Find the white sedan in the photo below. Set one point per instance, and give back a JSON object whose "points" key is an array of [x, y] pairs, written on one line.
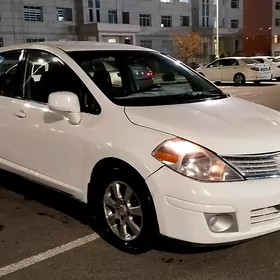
{"points": [[236, 69], [274, 64], [177, 156]]}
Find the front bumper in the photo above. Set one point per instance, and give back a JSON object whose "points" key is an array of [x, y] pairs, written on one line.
{"points": [[182, 205]]}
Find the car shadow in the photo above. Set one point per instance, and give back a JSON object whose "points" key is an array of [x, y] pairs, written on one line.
{"points": [[77, 210]]}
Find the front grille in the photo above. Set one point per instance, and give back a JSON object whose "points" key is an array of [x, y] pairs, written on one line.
{"points": [[256, 166], [265, 215]]}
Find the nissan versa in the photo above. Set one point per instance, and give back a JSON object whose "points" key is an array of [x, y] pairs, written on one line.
{"points": [[151, 145]]}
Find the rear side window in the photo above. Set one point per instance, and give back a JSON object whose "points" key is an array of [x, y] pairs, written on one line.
{"points": [[249, 60], [259, 60], [10, 78]]}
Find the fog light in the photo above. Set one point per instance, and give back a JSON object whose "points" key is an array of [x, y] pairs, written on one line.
{"points": [[221, 222]]}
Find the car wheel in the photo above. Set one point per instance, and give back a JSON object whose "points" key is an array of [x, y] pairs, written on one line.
{"points": [[239, 79], [257, 82], [124, 211]]}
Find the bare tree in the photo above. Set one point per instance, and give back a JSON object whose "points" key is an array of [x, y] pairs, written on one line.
{"points": [[187, 46]]}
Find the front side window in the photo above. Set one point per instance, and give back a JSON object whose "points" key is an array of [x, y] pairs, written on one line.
{"points": [[10, 82], [140, 78], [45, 74], [216, 63]]}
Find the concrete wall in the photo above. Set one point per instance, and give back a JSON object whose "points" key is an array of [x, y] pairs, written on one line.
{"points": [[14, 29]]}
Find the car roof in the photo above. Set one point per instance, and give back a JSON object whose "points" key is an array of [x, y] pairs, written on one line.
{"points": [[237, 57], [69, 46], [262, 56]]}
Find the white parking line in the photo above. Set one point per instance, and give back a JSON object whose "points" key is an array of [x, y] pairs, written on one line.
{"points": [[47, 255]]}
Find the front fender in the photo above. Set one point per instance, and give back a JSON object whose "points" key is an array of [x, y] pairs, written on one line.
{"points": [[136, 151]]}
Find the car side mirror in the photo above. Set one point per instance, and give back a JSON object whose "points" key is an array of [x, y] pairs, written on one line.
{"points": [[66, 102]]}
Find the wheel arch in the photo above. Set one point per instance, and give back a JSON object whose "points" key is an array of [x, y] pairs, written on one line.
{"points": [[239, 73], [114, 163]]}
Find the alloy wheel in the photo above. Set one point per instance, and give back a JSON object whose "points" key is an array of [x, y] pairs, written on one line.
{"points": [[123, 211]]}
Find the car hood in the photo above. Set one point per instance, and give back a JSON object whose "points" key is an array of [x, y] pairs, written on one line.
{"points": [[226, 126]]}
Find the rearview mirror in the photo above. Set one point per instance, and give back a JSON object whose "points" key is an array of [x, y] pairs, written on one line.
{"points": [[66, 102]]}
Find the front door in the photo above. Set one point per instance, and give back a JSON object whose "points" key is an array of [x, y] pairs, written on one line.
{"points": [[51, 147], [229, 69], [213, 72]]}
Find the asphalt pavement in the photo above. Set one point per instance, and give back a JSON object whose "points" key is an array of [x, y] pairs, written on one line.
{"points": [[46, 235]]}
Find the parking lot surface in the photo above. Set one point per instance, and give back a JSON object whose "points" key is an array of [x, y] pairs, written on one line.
{"points": [[46, 235]]}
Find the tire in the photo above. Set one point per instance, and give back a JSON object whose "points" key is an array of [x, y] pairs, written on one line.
{"points": [[257, 82], [239, 79], [110, 213]]}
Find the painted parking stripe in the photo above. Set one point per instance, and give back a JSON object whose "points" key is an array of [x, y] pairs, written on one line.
{"points": [[47, 255]]}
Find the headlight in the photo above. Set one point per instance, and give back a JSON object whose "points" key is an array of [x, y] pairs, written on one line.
{"points": [[194, 161]]}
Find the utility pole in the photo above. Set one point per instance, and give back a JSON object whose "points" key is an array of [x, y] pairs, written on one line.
{"points": [[217, 29]]}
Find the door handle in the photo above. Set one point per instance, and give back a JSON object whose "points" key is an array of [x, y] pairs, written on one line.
{"points": [[20, 114]]}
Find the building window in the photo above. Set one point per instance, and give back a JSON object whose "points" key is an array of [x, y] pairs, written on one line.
{"points": [[185, 20], [97, 15], [90, 3], [33, 13], [91, 15], [235, 4], [277, 22], [185, 1], [205, 13], [234, 24], [35, 40], [166, 1], [145, 20], [146, 44], [97, 4], [167, 46], [277, 5], [64, 14], [166, 21], [236, 45], [112, 16], [1, 42], [125, 18]]}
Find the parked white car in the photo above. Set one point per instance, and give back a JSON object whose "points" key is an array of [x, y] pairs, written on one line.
{"points": [[177, 157], [236, 69], [273, 63]]}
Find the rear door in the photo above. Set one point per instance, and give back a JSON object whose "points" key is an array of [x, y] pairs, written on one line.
{"points": [[11, 116], [230, 67]]}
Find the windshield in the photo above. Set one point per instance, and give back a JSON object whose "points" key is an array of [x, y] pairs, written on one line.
{"points": [[141, 78]]}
